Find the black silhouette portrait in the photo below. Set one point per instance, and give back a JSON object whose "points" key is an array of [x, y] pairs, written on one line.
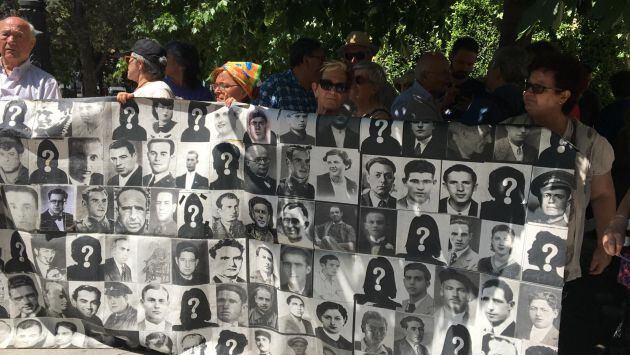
{"points": [[47, 171], [194, 226], [379, 285], [225, 161], [19, 261], [506, 186], [380, 140], [13, 120], [547, 254], [129, 127], [195, 311], [457, 341], [86, 253], [196, 130], [423, 241], [231, 343]]}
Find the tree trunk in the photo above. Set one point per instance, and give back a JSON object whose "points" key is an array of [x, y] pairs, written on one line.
{"points": [[512, 14], [81, 33]]}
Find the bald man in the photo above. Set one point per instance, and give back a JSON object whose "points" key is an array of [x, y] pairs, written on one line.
{"points": [[19, 79], [418, 103]]}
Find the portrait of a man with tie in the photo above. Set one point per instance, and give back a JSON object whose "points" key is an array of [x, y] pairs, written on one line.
{"points": [[424, 139], [417, 281], [160, 153], [379, 175], [191, 179], [515, 144], [55, 218], [116, 267], [496, 303]]}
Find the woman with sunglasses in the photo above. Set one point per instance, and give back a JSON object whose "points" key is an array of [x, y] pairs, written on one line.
{"points": [[551, 91], [367, 91], [145, 66], [236, 82], [331, 91]]}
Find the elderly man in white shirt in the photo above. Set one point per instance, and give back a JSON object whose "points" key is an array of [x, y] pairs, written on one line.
{"points": [[19, 78]]}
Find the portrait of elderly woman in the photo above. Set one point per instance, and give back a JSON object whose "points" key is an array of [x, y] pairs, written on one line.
{"points": [[550, 198], [334, 184], [259, 129]]}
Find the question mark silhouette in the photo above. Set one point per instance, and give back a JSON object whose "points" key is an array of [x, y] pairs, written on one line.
{"points": [[131, 113], [382, 124], [460, 345], [228, 159], [48, 155], [20, 246], [381, 273], [512, 186], [552, 249], [423, 232], [231, 343], [194, 209], [16, 110], [90, 251], [197, 113], [561, 145], [193, 310]]}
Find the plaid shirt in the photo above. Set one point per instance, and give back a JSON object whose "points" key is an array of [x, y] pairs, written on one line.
{"points": [[283, 91]]}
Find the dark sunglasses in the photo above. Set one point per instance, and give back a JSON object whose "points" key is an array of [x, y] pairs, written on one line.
{"points": [[357, 55], [329, 85], [538, 89]]}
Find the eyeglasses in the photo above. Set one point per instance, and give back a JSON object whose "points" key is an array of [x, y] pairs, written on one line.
{"points": [[329, 85], [538, 89], [222, 86], [360, 80], [260, 161], [358, 55]]}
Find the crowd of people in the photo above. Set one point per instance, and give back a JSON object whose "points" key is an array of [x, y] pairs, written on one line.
{"points": [[538, 84]]}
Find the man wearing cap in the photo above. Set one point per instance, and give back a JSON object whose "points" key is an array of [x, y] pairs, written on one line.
{"points": [[456, 291], [262, 338], [554, 191], [19, 78], [145, 66], [123, 316], [299, 345]]}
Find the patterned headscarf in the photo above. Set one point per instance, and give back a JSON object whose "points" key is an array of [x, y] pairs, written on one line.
{"points": [[246, 74]]}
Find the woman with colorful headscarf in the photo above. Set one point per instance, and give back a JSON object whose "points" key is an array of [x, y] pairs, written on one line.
{"points": [[236, 82]]}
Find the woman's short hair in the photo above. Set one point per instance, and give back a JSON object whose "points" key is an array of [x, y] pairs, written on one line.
{"points": [[567, 72], [376, 75]]}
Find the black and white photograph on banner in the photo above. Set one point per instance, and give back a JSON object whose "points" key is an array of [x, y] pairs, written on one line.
{"points": [[377, 232], [158, 119], [65, 333], [260, 169], [91, 119], [87, 302], [6, 332], [377, 285], [192, 166], [232, 342], [300, 127], [259, 216], [296, 270], [264, 263], [334, 324], [508, 189], [335, 226], [226, 172], [192, 307], [84, 257], [57, 208], [463, 242], [193, 215], [85, 156], [120, 305], [336, 276], [157, 341], [374, 330], [295, 222], [227, 209], [260, 125], [383, 137], [163, 212], [190, 262], [494, 344], [427, 237], [49, 256], [120, 262], [416, 287], [30, 334], [501, 249], [227, 258], [263, 306], [126, 122], [337, 174], [377, 182], [157, 302], [338, 131], [231, 300], [123, 160], [464, 185], [539, 314], [50, 163], [13, 161], [413, 334], [295, 179], [458, 338], [26, 297], [53, 119], [197, 341], [160, 159], [17, 118], [424, 139], [4, 297], [94, 209], [227, 123], [296, 314], [22, 210], [531, 348], [470, 143], [550, 197], [132, 210], [265, 341], [195, 127], [302, 345], [556, 151], [16, 258], [154, 260], [417, 185], [545, 255], [498, 302], [518, 144]]}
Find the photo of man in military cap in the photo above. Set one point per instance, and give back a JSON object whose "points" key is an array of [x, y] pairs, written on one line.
{"points": [[123, 316], [550, 198]]}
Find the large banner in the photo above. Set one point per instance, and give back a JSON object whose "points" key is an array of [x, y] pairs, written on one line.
{"points": [[192, 227]]}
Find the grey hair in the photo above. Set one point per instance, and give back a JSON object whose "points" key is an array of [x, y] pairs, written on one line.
{"points": [[155, 71], [512, 64], [376, 75], [34, 32]]}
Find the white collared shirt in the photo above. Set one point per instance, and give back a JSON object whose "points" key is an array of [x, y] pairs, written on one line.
{"points": [[122, 180], [152, 326], [190, 178], [29, 82], [451, 210], [339, 135], [226, 324], [538, 334]]}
